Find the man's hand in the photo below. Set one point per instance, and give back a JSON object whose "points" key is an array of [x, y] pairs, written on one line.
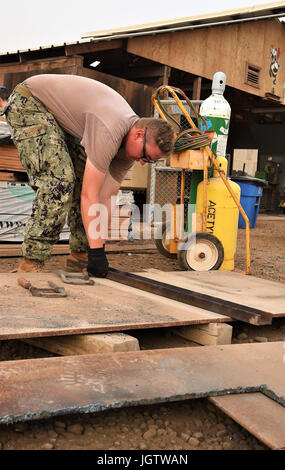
{"points": [[97, 262]]}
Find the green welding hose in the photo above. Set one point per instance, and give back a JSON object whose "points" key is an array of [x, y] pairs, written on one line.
{"points": [[189, 139]]}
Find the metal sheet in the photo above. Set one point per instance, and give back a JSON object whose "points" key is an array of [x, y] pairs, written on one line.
{"points": [[191, 297], [261, 416], [39, 388], [106, 306], [247, 291]]}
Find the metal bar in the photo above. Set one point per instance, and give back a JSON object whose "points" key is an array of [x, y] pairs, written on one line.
{"points": [[197, 299], [205, 192]]}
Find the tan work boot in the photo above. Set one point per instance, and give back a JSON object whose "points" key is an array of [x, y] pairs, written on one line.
{"points": [[30, 266], [77, 261]]}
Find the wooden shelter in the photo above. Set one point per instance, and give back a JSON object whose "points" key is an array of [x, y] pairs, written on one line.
{"points": [[246, 44]]}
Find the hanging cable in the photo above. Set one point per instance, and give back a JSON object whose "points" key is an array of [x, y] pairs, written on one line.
{"points": [[186, 139]]}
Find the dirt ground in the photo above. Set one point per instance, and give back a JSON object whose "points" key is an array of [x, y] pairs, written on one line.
{"points": [[190, 425]]}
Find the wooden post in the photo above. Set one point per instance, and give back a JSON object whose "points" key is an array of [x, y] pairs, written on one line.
{"points": [[196, 94], [163, 80]]}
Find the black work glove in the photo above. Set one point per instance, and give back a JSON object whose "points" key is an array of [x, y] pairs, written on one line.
{"points": [[97, 262]]}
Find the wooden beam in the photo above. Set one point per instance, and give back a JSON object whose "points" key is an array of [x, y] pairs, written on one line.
{"points": [[43, 64], [13, 250], [86, 344], [145, 72], [93, 46], [212, 334]]}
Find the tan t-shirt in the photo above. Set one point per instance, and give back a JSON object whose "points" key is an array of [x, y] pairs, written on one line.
{"points": [[91, 111]]}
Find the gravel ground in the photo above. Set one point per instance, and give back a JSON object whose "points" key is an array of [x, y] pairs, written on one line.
{"points": [[190, 425]]}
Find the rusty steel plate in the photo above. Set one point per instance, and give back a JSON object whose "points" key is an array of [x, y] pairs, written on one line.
{"points": [[106, 306], [236, 310], [261, 416], [40, 388], [248, 291]]}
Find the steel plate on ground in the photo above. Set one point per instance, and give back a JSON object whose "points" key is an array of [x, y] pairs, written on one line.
{"points": [[106, 306], [261, 416], [245, 290], [40, 388]]}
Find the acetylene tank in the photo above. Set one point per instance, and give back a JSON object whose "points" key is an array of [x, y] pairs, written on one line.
{"points": [[222, 212]]}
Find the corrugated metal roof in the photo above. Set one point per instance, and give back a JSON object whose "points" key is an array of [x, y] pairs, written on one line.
{"points": [[45, 47], [239, 14]]}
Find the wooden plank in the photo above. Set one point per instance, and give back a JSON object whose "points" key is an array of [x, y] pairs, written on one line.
{"points": [[43, 64], [13, 177], [207, 335], [250, 291], [90, 383], [188, 159], [107, 306], [14, 249], [261, 416], [9, 158], [87, 344], [92, 46]]}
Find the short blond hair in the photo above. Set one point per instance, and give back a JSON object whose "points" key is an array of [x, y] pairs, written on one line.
{"points": [[161, 132]]}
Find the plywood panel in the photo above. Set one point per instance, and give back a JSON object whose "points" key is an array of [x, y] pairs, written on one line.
{"points": [[138, 177], [106, 306], [245, 160], [227, 48]]}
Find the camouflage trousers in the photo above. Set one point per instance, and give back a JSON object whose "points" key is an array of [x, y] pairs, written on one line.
{"points": [[55, 163]]}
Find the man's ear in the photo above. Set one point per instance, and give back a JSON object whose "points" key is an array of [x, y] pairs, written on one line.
{"points": [[139, 134]]}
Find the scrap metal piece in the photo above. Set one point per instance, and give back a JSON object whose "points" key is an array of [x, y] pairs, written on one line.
{"points": [[197, 299], [258, 414], [80, 278], [54, 386], [55, 290]]}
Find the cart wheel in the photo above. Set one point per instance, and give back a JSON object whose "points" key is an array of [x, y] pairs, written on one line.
{"points": [[163, 244], [202, 252]]}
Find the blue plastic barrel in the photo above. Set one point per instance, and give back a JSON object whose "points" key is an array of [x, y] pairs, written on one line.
{"points": [[251, 193]]}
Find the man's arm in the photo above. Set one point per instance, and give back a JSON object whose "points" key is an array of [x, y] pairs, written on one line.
{"points": [[97, 190], [108, 194], [93, 181]]}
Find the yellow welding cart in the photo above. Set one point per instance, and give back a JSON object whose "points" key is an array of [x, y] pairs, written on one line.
{"points": [[207, 245]]}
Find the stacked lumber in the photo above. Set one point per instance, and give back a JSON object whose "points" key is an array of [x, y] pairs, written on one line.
{"points": [[10, 163], [9, 159]]}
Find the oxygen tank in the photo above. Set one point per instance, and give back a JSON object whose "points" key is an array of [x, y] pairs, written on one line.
{"points": [[222, 212], [217, 112]]}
